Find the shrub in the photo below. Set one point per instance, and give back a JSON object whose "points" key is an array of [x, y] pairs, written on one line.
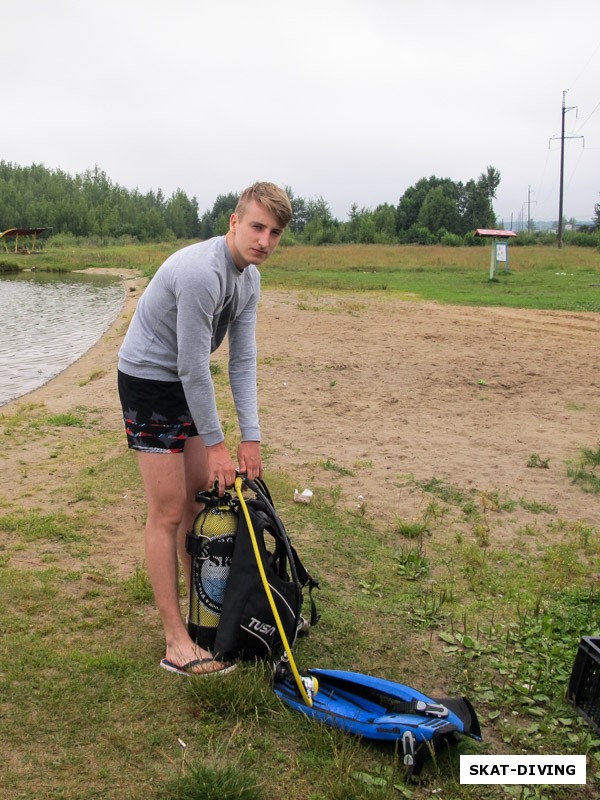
{"points": [[451, 240]]}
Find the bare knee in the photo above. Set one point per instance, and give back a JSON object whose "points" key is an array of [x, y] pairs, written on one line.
{"points": [[165, 519]]}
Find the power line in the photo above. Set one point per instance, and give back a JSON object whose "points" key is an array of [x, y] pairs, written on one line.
{"points": [[589, 116], [585, 66]]}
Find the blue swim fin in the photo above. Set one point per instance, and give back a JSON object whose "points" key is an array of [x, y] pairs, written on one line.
{"points": [[379, 709]]}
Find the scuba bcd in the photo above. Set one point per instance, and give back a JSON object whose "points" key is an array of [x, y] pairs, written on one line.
{"points": [[248, 582]]}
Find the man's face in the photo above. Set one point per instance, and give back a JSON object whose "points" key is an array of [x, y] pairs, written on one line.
{"points": [[253, 236]]}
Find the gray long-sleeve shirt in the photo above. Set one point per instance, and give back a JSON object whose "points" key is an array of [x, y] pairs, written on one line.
{"points": [[195, 298]]}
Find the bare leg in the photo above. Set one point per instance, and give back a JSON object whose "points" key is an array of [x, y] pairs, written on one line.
{"points": [[196, 477], [169, 510]]}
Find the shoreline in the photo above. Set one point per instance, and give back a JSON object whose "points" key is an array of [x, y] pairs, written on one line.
{"points": [[98, 364]]}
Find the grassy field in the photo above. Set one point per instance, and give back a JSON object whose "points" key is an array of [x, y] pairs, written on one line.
{"points": [[85, 712], [538, 277]]}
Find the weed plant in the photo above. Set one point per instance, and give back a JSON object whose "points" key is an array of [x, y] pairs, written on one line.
{"points": [[585, 473]]}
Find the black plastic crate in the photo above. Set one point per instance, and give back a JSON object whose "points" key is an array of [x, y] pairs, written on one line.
{"points": [[584, 684]]}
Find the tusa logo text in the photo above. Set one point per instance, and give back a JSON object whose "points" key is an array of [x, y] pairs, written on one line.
{"points": [[261, 627]]}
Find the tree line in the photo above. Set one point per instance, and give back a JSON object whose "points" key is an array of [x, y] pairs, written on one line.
{"points": [[91, 205], [433, 210]]}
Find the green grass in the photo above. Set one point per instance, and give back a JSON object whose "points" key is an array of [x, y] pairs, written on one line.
{"points": [[31, 526], [88, 254], [440, 602], [540, 276], [80, 652], [67, 420]]}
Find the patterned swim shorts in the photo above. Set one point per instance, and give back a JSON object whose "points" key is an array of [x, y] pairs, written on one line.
{"points": [[156, 415]]}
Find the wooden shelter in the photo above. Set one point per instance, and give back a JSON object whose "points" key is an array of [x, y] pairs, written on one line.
{"points": [[25, 239]]}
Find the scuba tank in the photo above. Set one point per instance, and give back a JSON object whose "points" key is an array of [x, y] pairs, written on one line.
{"points": [[210, 544]]}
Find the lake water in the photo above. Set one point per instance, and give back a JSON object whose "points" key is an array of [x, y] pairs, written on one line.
{"points": [[47, 322]]}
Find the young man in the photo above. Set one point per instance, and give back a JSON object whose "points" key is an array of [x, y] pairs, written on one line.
{"points": [[199, 294]]}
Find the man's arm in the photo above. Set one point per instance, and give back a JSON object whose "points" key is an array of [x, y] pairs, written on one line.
{"points": [[195, 311], [242, 371], [242, 379]]}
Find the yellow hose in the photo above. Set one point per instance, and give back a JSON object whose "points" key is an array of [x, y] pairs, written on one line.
{"points": [[265, 581]]}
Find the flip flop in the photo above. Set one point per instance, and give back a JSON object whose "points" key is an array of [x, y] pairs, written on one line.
{"points": [[188, 669]]}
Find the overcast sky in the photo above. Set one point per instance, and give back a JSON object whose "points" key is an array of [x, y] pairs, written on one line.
{"points": [[350, 100]]}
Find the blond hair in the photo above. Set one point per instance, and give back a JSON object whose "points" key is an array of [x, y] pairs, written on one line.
{"points": [[274, 199]]}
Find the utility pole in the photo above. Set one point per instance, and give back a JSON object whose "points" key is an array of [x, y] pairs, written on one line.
{"points": [[559, 237], [562, 172], [529, 226]]}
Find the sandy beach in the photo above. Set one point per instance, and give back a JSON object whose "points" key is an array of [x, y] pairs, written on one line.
{"points": [[373, 396]]}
